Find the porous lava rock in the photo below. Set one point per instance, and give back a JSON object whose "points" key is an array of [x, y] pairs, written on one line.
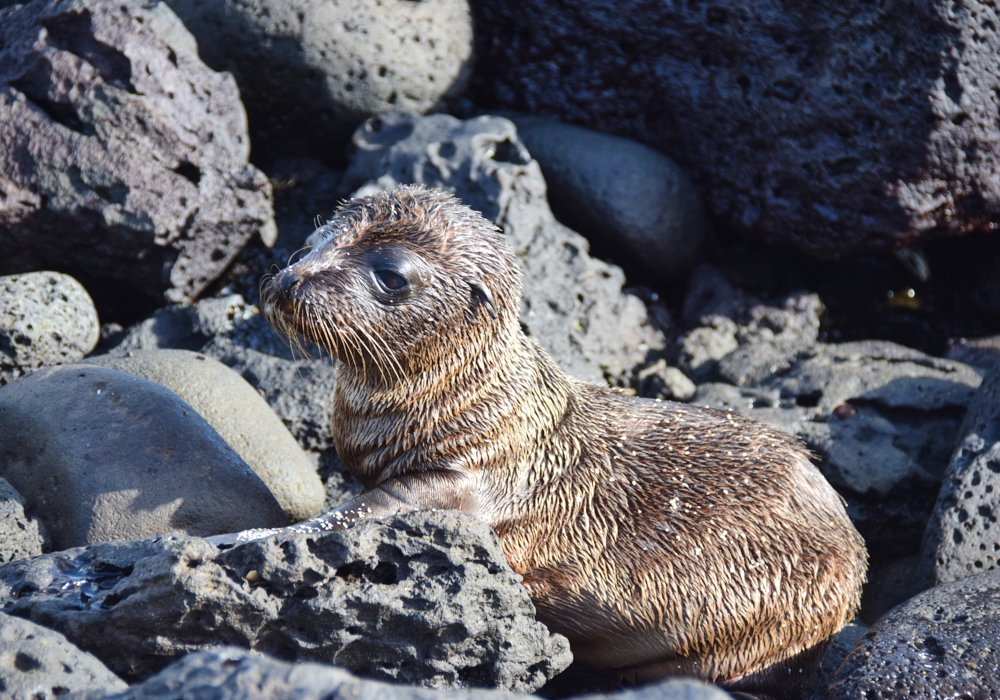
{"points": [[423, 598], [940, 644], [46, 318], [836, 128], [19, 534], [963, 535], [40, 664], [572, 304], [99, 455], [310, 70], [122, 156]]}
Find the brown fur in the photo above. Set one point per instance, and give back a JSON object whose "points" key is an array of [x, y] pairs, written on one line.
{"points": [[660, 538]]}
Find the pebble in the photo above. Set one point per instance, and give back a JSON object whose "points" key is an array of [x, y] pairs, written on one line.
{"points": [[101, 455]]}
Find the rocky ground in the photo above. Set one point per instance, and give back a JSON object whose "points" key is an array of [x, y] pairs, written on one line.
{"points": [[785, 212]]}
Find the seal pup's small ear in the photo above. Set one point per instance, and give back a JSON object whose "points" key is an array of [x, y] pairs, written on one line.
{"points": [[482, 292]]}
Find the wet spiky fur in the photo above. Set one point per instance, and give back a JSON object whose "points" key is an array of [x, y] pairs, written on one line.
{"points": [[660, 538]]}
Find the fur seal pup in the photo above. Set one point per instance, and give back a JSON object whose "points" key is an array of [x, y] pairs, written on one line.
{"points": [[660, 538]]}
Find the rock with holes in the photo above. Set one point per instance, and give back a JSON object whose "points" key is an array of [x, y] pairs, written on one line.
{"points": [[423, 598], [940, 644], [121, 153], [981, 353], [883, 420], [20, 536], [963, 535], [309, 71], [836, 129], [572, 303], [46, 318], [100, 455], [40, 664], [239, 414], [232, 674]]}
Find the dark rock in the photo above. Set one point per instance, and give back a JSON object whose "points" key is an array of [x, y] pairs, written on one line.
{"points": [[425, 598], [304, 189], [681, 689], [892, 583], [619, 194], [840, 646], [19, 534], [981, 353], [100, 455], [941, 644], [310, 71], [40, 664], [239, 415], [46, 318], [837, 129], [233, 674], [121, 154], [572, 304], [182, 327], [963, 536]]}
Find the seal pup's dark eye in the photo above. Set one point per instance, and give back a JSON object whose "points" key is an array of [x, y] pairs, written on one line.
{"points": [[390, 281]]}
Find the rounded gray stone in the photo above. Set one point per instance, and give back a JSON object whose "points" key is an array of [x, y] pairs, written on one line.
{"points": [[46, 318], [19, 535], [310, 70], [239, 414], [37, 663], [940, 644], [619, 192], [102, 455]]}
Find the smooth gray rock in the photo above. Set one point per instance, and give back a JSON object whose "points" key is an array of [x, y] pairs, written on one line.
{"points": [[620, 193], [963, 536], [102, 455], [19, 534], [572, 304], [310, 71], [39, 664], [46, 318], [675, 689], [425, 598], [239, 414], [121, 153], [941, 644], [233, 674], [837, 128]]}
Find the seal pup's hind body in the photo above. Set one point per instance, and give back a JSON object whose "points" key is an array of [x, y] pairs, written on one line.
{"points": [[660, 538]]}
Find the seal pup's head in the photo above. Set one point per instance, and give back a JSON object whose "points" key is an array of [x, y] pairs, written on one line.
{"points": [[395, 273]]}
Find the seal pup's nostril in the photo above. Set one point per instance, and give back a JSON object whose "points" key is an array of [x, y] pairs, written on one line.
{"points": [[286, 282]]}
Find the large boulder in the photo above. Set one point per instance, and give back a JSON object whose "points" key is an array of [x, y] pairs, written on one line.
{"points": [[122, 156], [101, 455], [238, 413], [309, 70], [836, 128], [424, 598]]}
